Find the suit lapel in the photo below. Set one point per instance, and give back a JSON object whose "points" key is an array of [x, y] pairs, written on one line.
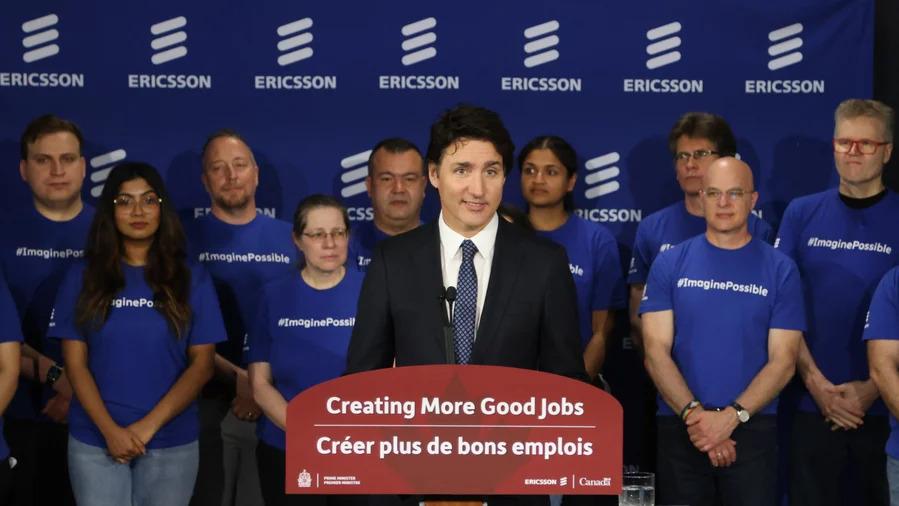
{"points": [[426, 268], [503, 278]]}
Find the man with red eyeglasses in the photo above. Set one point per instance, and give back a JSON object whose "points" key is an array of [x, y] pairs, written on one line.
{"points": [[843, 241]]}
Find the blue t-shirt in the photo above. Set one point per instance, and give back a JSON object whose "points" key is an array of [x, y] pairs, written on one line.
{"points": [[35, 252], [303, 333], [883, 323], [241, 259], [724, 303], [135, 357], [364, 236], [842, 254], [595, 266], [671, 226], [9, 331]]}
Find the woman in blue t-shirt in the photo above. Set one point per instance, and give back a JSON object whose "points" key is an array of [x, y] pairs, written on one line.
{"points": [[301, 334], [138, 326], [548, 174]]}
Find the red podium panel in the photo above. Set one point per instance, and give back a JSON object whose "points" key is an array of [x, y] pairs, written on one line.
{"points": [[455, 430]]}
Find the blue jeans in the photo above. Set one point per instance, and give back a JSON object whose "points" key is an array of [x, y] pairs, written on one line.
{"points": [[162, 477], [893, 479]]}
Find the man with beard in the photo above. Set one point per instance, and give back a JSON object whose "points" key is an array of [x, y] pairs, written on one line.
{"points": [[396, 186], [242, 250]]}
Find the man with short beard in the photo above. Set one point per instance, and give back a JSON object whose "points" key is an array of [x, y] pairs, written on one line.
{"points": [[242, 251], [37, 244], [396, 186]]}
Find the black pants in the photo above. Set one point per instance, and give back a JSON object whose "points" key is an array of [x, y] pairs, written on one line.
{"points": [[825, 463], [685, 475], [41, 475], [210, 483]]}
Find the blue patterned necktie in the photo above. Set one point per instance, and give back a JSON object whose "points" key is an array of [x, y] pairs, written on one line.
{"points": [[466, 304]]}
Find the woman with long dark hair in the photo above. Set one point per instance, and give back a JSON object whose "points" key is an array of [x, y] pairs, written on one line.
{"points": [[302, 334], [548, 174], [138, 327]]}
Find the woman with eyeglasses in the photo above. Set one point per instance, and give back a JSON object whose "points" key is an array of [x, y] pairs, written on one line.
{"points": [[138, 326], [290, 347], [548, 174]]}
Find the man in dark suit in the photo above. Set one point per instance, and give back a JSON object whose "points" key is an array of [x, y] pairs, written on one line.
{"points": [[516, 299]]}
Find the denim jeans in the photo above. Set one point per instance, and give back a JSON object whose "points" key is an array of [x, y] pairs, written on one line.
{"points": [[162, 477], [893, 479]]}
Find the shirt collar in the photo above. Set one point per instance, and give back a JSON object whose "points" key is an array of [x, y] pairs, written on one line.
{"points": [[485, 240]]}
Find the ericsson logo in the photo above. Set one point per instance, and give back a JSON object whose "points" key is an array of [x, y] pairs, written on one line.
{"points": [[101, 166], [352, 182], [38, 32], [168, 45], [602, 172], [663, 49], [783, 52], [418, 46], [541, 47], [39, 40], [294, 45], [663, 40]]}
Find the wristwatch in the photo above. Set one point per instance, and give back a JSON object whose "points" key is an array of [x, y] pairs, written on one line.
{"points": [[742, 413], [53, 374]]}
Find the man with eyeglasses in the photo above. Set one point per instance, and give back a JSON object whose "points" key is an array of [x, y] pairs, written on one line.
{"points": [[36, 247], [844, 240], [396, 186], [722, 320], [696, 140], [242, 250]]}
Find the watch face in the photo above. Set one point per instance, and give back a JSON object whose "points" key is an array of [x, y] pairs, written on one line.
{"points": [[743, 415]]}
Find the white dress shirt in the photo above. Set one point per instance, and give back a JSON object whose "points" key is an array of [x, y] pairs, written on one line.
{"points": [[451, 256]]}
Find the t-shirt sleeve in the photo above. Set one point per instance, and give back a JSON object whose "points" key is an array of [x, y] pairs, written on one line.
{"points": [[882, 321], [658, 295], [62, 319], [259, 338], [786, 234], [789, 305], [207, 325], [10, 326], [608, 282], [641, 258]]}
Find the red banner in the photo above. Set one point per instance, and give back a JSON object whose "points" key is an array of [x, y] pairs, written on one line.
{"points": [[455, 430]]}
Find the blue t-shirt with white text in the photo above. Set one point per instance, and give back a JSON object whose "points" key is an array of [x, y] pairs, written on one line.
{"points": [[241, 259], [595, 266], [303, 334], [882, 322], [724, 303], [364, 236], [35, 252], [842, 253], [135, 357], [671, 226], [9, 331]]}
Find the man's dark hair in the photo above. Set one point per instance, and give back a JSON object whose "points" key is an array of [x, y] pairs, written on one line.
{"points": [[225, 133], [704, 125], [474, 123], [47, 124], [395, 145]]}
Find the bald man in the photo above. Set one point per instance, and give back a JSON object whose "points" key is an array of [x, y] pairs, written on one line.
{"points": [[722, 317]]}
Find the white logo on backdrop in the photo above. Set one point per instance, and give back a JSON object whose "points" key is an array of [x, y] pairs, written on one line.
{"points": [[167, 41], [539, 43], [663, 42], [295, 47], [38, 32], [601, 174], [102, 165], [783, 49], [355, 171], [419, 48]]}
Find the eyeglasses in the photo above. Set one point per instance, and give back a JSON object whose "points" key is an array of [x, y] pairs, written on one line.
{"points": [[734, 195], [865, 146], [146, 201], [699, 154], [335, 235]]}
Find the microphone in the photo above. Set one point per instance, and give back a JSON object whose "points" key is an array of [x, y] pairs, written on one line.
{"points": [[448, 295]]}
